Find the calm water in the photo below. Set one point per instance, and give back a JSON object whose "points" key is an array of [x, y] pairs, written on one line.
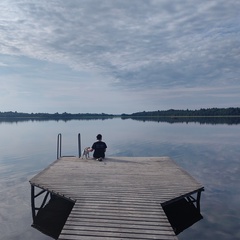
{"points": [[210, 153]]}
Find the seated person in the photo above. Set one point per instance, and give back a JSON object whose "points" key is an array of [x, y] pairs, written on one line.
{"points": [[99, 148]]}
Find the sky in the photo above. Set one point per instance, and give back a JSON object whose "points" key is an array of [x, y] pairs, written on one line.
{"points": [[118, 56]]}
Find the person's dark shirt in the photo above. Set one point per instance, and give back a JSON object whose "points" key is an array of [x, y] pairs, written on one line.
{"points": [[99, 148]]}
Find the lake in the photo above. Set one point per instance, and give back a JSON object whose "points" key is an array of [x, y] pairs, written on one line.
{"points": [[209, 152]]}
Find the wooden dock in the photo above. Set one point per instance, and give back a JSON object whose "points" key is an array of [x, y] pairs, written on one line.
{"points": [[118, 198]]}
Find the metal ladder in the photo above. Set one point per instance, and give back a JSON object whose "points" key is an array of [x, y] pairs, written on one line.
{"points": [[59, 145]]}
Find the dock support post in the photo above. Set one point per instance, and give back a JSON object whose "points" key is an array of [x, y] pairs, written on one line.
{"points": [[34, 195], [198, 201], [33, 201]]}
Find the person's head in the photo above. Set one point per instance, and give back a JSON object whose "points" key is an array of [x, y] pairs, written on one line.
{"points": [[99, 137]]}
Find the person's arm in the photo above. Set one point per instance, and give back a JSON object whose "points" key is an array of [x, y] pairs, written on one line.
{"points": [[93, 147], [105, 147]]}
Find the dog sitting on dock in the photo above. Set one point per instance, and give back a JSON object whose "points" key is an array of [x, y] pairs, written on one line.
{"points": [[85, 152]]}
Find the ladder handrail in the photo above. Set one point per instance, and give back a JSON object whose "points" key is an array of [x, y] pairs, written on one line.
{"points": [[59, 145], [79, 145]]}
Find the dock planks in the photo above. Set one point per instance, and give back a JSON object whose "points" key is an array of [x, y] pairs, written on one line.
{"points": [[119, 198]]}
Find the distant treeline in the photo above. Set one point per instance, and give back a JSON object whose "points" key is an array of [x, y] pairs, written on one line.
{"points": [[52, 116], [203, 112], [156, 115]]}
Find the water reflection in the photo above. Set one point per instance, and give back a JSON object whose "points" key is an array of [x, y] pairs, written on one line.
{"points": [[210, 153], [18, 120], [201, 120]]}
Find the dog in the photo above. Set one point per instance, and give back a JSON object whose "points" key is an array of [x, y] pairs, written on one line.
{"points": [[85, 152]]}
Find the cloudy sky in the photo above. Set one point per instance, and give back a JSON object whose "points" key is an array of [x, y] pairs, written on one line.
{"points": [[118, 56]]}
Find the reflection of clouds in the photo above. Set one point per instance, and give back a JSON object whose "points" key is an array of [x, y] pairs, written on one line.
{"points": [[209, 153], [217, 168], [179, 133], [15, 213]]}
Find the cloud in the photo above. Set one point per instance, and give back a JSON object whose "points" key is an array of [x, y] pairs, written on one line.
{"points": [[134, 45]]}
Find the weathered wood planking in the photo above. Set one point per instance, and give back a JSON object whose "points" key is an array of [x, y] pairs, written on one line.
{"points": [[119, 198]]}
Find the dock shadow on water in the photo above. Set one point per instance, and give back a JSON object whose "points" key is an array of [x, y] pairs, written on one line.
{"points": [[51, 218], [182, 214]]}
